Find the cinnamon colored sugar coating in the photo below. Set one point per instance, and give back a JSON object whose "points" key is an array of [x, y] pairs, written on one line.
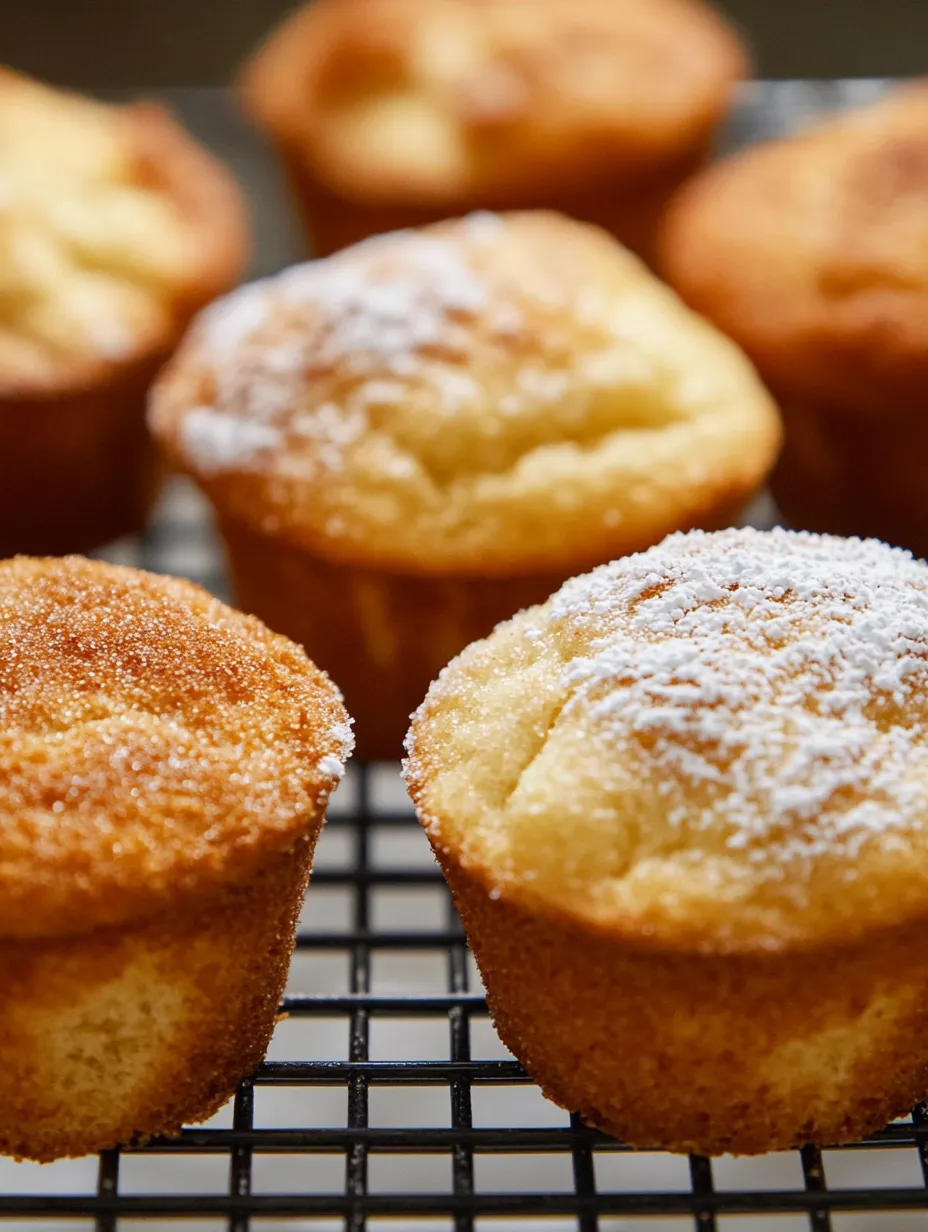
{"points": [[473, 411], [115, 227], [165, 763], [684, 809], [810, 253], [388, 111]]}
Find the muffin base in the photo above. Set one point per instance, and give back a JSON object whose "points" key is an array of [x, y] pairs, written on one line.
{"points": [[630, 211], [717, 1054], [382, 637], [77, 470], [850, 474], [129, 1032]]}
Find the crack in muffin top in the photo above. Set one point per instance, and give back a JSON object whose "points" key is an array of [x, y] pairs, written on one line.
{"points": [[722, 741], [154, 745], [492, 393]]}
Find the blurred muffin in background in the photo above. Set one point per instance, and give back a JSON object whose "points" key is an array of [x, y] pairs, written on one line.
{"points": [[411, 440], [812, 253], [394, 113], [115, 228]]}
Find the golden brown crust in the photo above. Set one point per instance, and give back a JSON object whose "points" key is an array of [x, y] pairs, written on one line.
{"points": [[125, 1033], [493, 395], [809, 251], [154, 745], [714, 747], [700, 1053], [112, 239], [417, 102]]}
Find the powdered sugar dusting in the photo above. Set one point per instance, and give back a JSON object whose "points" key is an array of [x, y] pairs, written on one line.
{"points": [[775, 683], [369, 319]]}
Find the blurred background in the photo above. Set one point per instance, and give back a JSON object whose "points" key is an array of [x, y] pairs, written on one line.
{"points": [[106, 44]]}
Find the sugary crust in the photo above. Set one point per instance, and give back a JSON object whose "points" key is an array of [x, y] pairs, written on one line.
{"points": [[492, 395], [155, 745], [125, 1033], [809, 251], [208, 242], [417, 102], [715, 747], [698, 1053]]}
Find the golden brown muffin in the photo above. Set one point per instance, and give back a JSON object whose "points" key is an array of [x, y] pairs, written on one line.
{"points": [[115, 227], [812, 253], [165, 764], [411, 440], [393, 113], [683, 808]]}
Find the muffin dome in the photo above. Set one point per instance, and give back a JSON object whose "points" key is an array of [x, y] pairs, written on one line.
{"points": [[114, 227], [495, 394], [437, 101], [716, 745], [154, 743]]}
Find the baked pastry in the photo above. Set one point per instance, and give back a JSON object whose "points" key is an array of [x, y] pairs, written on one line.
{"points": [[683, 809], [411, 440], [164, 768], [811, 253], [115, 227], [394, 113]]}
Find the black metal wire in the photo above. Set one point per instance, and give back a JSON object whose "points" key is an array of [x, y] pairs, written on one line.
{"points": [[586, 1203]]}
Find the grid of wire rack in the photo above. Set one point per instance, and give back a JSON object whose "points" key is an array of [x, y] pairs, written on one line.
{"points": [[386, 1099], [387, 1096]]}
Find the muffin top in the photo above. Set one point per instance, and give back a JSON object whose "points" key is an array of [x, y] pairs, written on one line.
{"points": [[495, 393], [154, 744], [435, 101], [812, 252], [720, 744], [113, 227]]}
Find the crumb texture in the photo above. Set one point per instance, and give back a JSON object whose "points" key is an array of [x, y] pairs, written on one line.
{"points": [[720, 741], [154, 744], [496, 391]]}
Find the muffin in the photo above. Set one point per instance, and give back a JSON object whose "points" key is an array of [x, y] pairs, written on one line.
{"points": [[683, 809], [165, 763], [812, 253], [115, 227], [394, 113], [409, 441]]}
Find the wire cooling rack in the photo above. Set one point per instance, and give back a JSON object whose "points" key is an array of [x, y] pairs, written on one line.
{"points": [[387, 1100]]}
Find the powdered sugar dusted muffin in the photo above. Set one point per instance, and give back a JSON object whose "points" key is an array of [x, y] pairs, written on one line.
{"points": [[392, 113], [408, 442], [165, 764], [683, 808], [115, 227]]}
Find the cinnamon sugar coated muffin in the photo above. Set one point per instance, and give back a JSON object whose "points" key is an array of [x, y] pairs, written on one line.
{"points": [[165, 764], [811, 253], [391, 113], [683, 809], [408, 442], [114, 229]]}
